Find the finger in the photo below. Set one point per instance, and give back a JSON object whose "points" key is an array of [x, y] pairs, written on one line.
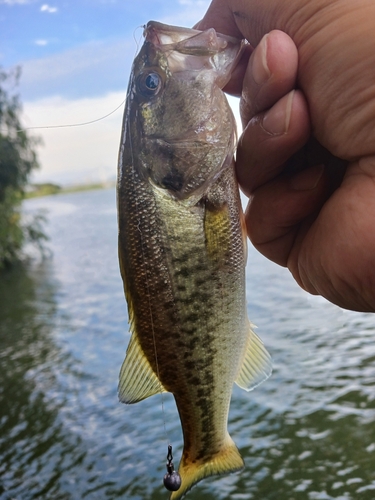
{"points": [[270, 139], [219, 15], [251, 20], [270, 74], [274, 59], [277, 210], [336, 258], [234, 86]]}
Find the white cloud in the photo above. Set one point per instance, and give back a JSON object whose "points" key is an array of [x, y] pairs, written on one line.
{"points": [[84, 75], [15, 2], [46, 8], [95, 67], [86, 70], [41, 43], [84, 153], [192, 11], [76, 154]]}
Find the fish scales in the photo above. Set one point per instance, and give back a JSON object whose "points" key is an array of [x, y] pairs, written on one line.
{"points": [[181, 244]]}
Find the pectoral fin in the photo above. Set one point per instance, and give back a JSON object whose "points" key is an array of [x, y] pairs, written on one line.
{"points": [[137, 378], [256, 366]]}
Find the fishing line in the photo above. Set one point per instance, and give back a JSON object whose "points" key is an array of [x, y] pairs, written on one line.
{"points": [[73, 124], [172, 479], [148, 293], [138, 41], [82, 124]]}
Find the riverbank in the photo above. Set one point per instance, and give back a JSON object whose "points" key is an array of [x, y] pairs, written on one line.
{"points": [[47, 189]]}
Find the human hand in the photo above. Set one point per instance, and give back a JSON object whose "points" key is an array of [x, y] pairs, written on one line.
{"points": [[319, 221]]}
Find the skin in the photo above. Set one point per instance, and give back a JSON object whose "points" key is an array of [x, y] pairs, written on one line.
{"points": [[310, 79]]}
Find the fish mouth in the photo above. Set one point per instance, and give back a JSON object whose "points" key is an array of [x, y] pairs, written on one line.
{"points": [[190, 43], [186, 40]]}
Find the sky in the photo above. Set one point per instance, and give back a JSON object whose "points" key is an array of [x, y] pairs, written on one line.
{"points": [[75, 58]]}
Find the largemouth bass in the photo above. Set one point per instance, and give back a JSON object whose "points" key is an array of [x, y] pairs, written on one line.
{"points": [[182, 245]]}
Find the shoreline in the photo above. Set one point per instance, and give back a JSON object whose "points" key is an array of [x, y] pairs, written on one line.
{"points": [[48, 189]]}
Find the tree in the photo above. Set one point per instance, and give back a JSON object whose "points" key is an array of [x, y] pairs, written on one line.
{"points": [[17, 160]]}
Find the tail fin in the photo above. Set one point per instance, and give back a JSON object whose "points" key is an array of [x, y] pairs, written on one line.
{"points": [[227, 460]]}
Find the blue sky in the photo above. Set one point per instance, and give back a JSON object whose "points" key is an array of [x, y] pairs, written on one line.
{"points": [[75, 58]]}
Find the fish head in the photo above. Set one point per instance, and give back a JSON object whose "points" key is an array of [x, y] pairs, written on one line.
{"points": [[181, 128]]}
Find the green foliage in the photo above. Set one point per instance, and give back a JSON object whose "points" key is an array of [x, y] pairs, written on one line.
{"points": [[17, 161], [48, 188], [11, 235], [44, 189]]}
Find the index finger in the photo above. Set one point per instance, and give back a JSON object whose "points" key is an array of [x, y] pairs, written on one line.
{"points": [[220, 16]]}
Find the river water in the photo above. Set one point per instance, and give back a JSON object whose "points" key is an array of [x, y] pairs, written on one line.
{"points": [[306, 433]]}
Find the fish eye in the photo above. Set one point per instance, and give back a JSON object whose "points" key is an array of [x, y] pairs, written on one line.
{"points": [[152, 81], [149, 83]]}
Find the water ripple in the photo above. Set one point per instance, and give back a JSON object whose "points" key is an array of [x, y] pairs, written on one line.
{"points": [[307, 433]]}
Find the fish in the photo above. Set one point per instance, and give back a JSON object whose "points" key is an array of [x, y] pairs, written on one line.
{"points": [[182, 243]]}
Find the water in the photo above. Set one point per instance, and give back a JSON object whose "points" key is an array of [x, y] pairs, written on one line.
{"points": [[307, 433]]}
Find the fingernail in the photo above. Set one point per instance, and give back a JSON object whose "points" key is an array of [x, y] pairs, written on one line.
{"points": [[276, 121], [307, 179], [261, 72]]}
